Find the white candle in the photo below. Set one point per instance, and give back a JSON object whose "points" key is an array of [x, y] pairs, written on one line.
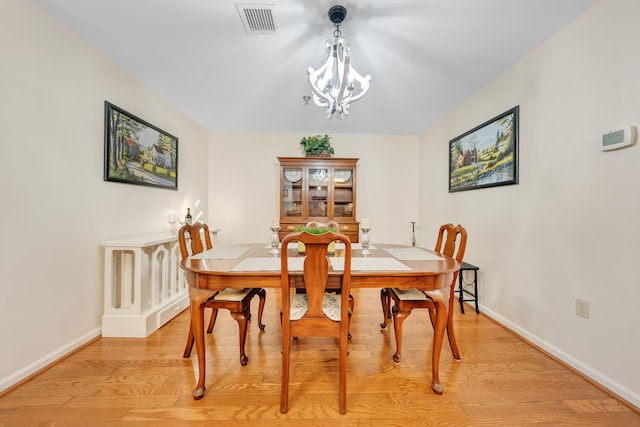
{"points": [[275, 222], [366, 223]]}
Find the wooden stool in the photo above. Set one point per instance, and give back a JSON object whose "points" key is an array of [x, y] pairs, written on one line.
{"points": [[462, 286]]}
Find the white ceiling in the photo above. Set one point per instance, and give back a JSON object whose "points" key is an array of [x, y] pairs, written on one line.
{"points": [[424, 56]]}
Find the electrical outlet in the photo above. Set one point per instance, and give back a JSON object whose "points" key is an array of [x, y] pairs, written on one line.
{"points": [[582, 308]]}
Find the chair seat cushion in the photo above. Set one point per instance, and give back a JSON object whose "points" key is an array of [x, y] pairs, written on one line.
{"points": [[228, 294], [330, 306], [412, 294]]}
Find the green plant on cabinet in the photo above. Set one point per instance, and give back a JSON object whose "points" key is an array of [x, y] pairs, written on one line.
{"points": [[317, 145]]}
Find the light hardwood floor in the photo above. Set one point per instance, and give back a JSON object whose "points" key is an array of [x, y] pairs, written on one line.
{"points": [[501, 380]]}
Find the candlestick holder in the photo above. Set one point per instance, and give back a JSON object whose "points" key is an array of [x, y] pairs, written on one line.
{"points": [[275, 240], [365, 241], [413, 233]]}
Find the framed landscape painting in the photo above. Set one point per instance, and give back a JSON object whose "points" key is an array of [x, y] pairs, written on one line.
{"points": [[137, 152], [487, 155]]}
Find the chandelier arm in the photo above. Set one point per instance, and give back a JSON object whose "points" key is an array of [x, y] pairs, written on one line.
{"points": [[326, 97], [343, 80], [319, 101], [318, 81], [364, 85]]}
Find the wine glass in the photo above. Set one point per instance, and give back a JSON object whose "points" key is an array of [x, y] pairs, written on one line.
{"points": [[172, 218]]}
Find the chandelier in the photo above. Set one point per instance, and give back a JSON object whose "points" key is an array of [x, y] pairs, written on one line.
{"points": [[334, 83]]}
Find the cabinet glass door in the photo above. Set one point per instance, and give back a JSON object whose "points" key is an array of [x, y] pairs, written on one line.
{"points": [[318, 192], [292, 192], [343, 193]]}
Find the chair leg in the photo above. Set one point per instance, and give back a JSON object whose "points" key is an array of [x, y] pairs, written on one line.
{"points": [[212, 320], [385, 299], [352, 304], [262, 294], [398, 318], [450, 332], [242, 318], [432, 316], [284, 387], [452, 341], [342, 368], [190, 341]]}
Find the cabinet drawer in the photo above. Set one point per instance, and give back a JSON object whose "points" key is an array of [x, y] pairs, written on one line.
{"points": [[289, 228], [353, 227]]}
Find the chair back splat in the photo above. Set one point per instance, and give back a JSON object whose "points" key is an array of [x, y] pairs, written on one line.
{"points": [[450, 238], [316, 312], [199, 239]]}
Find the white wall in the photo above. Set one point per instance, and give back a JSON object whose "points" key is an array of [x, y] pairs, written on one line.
{"points": [[56, 209], [570, 228], [245, 178]]}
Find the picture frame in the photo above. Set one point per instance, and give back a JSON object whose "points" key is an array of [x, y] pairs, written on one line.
{"points": [[487, 155], [137, 152]]}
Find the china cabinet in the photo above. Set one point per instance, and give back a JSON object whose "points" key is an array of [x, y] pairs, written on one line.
{"points": [[318, 189]]}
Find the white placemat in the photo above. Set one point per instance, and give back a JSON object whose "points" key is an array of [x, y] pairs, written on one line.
{"points": [[370, 264], [415, 254], [268, 264], [354, 246], [339, 245], [222, 252]]}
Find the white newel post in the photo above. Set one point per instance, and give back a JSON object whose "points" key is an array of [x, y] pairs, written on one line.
{"points": [[144, 287]]}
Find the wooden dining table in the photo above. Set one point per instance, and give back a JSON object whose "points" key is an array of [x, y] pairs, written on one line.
{"points": [[221, 268]]}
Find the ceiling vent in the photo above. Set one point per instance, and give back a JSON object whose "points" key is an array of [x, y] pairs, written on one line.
{"points": [[258, 18]]}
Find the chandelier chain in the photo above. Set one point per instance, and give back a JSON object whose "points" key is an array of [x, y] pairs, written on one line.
{"points": [[337, 33]]}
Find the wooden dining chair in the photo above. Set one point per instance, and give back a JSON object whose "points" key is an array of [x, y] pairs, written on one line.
{"points": [[238, 302], [332, 224], [318, 312], [452, 241]]}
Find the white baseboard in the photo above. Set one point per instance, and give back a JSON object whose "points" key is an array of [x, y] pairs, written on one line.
{"points": [[47, 360], [586, 370]]}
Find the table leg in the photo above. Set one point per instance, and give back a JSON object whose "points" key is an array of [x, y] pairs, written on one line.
{"points": [[441, 298], [197, 298]]}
